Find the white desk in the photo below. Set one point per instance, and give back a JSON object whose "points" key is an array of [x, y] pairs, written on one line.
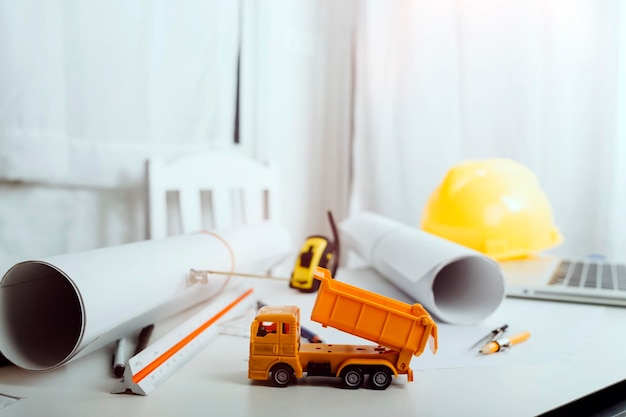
{"points": [[215, 381]]}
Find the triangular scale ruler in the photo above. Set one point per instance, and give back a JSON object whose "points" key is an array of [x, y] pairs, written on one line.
{"points": [[149, 368]]}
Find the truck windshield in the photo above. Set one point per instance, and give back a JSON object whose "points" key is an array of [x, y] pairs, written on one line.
{"points": [[265, 328]]}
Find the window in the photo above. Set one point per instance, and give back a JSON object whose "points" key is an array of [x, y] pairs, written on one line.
{"points": [[265, 328]]}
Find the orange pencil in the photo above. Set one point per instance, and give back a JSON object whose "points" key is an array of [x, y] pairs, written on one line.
{"points": [[505, 342]]}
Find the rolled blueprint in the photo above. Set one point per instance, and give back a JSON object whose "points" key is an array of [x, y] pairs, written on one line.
{"points": [[456, 284], [56, 309]]}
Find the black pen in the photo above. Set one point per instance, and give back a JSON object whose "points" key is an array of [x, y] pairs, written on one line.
{"points": [[306, 333], [119, 358], [309, 335], [143, 338]]}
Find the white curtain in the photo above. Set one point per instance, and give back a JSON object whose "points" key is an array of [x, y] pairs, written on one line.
{"points": [[88, 91], [382, 97], [539, 81], [296, 103]]}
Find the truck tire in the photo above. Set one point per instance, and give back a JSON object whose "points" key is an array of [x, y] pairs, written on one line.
{"points": [[380, 378], [281, 374], [352, 377]]}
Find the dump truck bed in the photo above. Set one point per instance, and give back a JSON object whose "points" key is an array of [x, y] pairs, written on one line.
{"points": [[372, 316]]}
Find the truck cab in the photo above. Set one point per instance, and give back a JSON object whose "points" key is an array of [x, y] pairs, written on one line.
{"points": [[275, 339]]}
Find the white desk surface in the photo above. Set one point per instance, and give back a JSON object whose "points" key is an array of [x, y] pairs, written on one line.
{"points": [[574, 350]]}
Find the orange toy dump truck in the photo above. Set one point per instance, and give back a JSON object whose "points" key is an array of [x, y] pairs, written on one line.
{"points": [[400, 331]]}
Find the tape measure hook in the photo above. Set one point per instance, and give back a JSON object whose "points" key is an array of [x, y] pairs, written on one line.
{"points": [[197, 277]]}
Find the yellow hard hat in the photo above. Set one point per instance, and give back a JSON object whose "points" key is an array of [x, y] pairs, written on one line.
{"points": [[494, 206]]}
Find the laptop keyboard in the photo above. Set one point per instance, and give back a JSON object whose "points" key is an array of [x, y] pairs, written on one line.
{"points": [[592, 275]]}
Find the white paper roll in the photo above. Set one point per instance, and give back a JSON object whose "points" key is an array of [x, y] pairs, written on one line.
{"points": [[56, 309], [456, 284]]}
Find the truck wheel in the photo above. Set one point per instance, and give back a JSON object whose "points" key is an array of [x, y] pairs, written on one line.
{"points": [[352, 377], [281, 375], [380, 378]]}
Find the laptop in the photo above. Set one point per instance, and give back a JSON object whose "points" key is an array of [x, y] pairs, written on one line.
{"points": [[566, 279]]}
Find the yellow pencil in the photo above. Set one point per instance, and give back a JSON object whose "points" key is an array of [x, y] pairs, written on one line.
{"points": [[505, 342]]}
